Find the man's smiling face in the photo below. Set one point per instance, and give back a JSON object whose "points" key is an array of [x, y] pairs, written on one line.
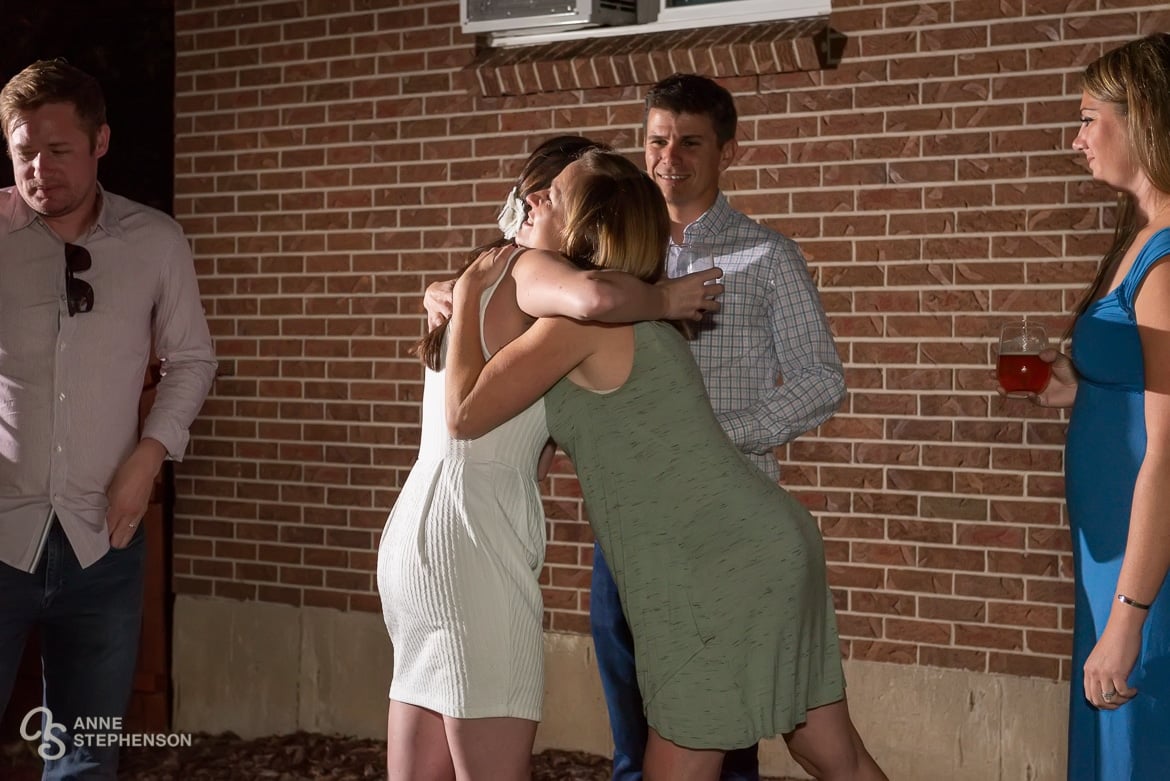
{"points": [[684, 158]]}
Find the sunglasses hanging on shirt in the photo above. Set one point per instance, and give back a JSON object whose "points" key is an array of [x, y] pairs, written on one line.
{"points": [[78, 292]]}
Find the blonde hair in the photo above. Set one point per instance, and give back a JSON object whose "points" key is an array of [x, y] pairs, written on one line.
{"points": [[54, 81], [615, 217], [1135, 79]]}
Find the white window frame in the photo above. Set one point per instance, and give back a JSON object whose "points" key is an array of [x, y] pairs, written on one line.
{"points": [[719, 13], [738, 12]]}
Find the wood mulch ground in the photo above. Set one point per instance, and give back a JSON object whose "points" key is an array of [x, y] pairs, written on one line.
{"points": [[302, 756]]}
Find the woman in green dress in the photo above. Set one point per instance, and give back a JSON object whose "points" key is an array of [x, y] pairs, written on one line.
{"points": [[721, 573]]}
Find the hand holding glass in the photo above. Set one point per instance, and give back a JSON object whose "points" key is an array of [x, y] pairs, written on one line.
{"points": [[1019, 368]]}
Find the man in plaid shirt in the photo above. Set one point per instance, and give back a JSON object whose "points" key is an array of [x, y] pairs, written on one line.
{"points": [[767, 357]]}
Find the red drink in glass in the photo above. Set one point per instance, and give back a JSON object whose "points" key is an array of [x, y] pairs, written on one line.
{"points": [[1022, 372], [1019, 367]]}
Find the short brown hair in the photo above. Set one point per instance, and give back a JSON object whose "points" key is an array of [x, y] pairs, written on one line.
{"points": [[690, 93], [54, 81]]}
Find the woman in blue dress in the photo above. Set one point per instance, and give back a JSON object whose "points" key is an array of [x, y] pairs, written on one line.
{"points": [[1117, 457]]}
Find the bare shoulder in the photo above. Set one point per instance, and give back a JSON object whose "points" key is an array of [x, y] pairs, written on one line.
{"points": [[581, 330], [582, 338], [535, 259]]}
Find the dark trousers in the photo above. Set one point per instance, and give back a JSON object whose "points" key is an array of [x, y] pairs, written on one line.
{"points": [[89, 622], [615, 660]]}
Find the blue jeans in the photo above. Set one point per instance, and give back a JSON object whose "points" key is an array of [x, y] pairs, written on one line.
{"points": [[89, 621], [615, 660]]}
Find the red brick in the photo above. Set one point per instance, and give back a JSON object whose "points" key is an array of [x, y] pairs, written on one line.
{"points": [[955, 658], [952, 609], [919, 581], [923, 632], [989, 586], [989, 637], [928, 177], [1024, 615], [1023, 665], [880, 651], [892, 604]]}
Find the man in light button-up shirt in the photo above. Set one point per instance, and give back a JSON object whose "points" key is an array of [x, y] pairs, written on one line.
{"points": [[91, 283]]}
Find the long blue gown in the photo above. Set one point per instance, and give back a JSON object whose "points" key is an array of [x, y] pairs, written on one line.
{"points": [[1105, 446]]}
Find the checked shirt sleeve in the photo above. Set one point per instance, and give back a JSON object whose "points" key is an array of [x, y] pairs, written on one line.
{"points": [[812, 380]]}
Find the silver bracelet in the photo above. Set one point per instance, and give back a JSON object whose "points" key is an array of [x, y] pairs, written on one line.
{"points": [[1122, 598]]}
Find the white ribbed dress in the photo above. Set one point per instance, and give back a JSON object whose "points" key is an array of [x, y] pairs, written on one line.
{"points": [[458, 567]]}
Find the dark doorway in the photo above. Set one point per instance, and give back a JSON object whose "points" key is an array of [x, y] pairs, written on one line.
{"points": [[128, 45]]}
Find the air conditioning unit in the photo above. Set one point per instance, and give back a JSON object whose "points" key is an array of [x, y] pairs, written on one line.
{"points": [[530, 16]]}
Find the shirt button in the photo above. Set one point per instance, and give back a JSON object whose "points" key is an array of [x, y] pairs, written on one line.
{"points": [[58, 448], [61, 396]]}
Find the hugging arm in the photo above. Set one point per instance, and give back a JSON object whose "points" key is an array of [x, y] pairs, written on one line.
{"points": [[1147, 548], [483, 394], [547, 285]]}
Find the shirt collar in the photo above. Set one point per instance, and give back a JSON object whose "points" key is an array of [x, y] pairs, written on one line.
{"points": [[107, 219], [711, 222], [21, 215]]}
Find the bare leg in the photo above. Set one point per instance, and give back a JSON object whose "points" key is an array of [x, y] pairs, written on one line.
{"points": [[495, 749], [666, 761], [416, 745], [828, 747]]}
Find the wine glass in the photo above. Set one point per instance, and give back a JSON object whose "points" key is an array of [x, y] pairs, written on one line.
{"points": [[1018, 367], [690, 260]]}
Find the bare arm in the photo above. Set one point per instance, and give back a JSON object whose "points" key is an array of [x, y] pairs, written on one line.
{"points": [[1147, 548], [480, 394], [550, 286], [547, 285]]}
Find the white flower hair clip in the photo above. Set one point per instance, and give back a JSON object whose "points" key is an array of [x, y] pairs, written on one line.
{"points": [[511, 215]]}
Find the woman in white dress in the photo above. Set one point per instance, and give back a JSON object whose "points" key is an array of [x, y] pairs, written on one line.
{"points": [[464, 543]]}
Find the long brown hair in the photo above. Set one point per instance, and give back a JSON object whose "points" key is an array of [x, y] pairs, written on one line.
{"points": [[1135, 79], [541, 167], [615, 217]]}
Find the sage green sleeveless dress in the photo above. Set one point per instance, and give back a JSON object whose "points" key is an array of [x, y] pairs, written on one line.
{"points": [[721, 573]]}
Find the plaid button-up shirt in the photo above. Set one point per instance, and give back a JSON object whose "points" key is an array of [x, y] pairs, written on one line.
{"points": [[767, 357]]}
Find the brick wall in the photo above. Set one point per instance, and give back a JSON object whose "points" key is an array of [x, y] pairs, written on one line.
{"points": [[335, 156]]}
